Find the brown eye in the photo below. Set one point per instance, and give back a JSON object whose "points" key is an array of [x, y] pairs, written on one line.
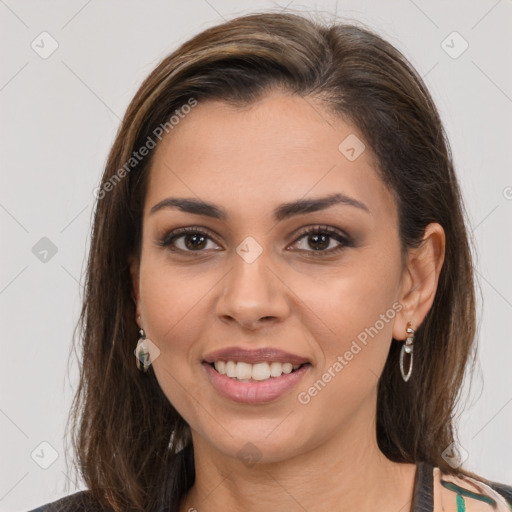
{"points": [[318, 241], [194, 241], [186, 240], [323, 240]]}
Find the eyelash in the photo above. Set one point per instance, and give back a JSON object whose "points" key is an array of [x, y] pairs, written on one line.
{"points": [[332, 233]]}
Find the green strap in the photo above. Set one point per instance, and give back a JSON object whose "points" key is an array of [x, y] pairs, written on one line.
{"points": [[461, 507]]}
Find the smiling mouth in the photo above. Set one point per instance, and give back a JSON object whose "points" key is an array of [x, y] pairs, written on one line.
{"points": [[247, 372]]}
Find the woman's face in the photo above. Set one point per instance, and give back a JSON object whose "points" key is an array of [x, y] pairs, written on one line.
{"points": [[253, 279]]}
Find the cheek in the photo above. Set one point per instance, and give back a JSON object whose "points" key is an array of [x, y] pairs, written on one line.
{"points": [[355, 309], [173, 301], [357, 320], [172, 298]]}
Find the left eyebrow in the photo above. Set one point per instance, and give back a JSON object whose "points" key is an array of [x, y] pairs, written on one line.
{"points": [[283, 211], [303, 206]]}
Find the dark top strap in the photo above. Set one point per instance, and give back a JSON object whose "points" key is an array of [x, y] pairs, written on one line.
{"points": [[80, 501], [504, 490], [423, 499]]}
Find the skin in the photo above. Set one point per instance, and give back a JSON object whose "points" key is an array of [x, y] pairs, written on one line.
{"points": [[322, 455]]}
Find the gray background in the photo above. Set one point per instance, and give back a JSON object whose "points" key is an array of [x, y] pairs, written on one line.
{"points": [[59, 118]]}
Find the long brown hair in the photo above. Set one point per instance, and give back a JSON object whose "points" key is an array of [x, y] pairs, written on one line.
{"points": [[126, 434]]}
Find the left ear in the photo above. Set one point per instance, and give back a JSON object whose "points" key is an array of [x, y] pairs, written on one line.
{"points": [[135, 291], [419, 280]]}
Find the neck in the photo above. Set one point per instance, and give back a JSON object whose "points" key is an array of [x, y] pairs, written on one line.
{"points": [[346, 473]]}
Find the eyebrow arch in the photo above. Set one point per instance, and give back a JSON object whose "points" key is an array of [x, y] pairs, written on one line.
{"points": [[283, 211]]}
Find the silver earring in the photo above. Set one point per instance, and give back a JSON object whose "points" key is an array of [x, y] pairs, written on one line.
{"points": [[142, 353], [407, 348]]}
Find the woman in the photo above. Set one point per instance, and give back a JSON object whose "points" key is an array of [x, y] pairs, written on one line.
{"points": [[280, 225]]}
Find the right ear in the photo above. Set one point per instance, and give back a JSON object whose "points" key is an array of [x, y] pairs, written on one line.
{"points": [[135, 291]]}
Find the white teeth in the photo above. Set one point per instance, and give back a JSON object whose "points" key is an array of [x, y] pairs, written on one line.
{"points": [[243, 371], [287, 368], [231, 369], [276, 369], [259, 371]]}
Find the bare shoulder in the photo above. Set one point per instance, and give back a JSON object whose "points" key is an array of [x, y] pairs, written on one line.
{"points": [[463, 493], [81, 501]]}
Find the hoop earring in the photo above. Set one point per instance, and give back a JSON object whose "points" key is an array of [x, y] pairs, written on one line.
{"points": [[142, 356], [407, 348]]}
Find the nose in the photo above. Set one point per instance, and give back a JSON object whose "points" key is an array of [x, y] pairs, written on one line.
{"points": [[253, 295]]}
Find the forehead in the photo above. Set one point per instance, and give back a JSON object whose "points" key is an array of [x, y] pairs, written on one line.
{"points": [[279, 149]]}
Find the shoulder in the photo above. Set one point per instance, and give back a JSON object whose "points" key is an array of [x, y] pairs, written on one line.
{"points": [[470, 494], [81, 501]]}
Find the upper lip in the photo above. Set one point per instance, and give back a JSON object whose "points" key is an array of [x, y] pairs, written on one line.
{"points": [[239, 354]]}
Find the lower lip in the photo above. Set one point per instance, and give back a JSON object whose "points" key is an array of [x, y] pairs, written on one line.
{"points": [[256, 392]]}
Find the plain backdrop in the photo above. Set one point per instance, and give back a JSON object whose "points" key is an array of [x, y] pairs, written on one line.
{"points": [[59, 116]]}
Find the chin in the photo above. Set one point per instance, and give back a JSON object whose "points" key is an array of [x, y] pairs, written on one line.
{"points": [[253, 445]]}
